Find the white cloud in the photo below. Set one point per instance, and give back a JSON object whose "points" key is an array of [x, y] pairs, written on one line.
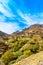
{"points": [[26, 18], [4, 1], [9, 27], [4, 8], [5, 12], [29, 19], [2, 18]]}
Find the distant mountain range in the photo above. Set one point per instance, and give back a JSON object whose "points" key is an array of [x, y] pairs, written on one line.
{"points": [[33, 29]]}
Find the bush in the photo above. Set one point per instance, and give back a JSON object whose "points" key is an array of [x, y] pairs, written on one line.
{"points": [[27, 52], [32, 42], [19, 53], [21, 57], [42, 46], [13, 61], [34, 48], [21, 43], [8, 56], [15, 39], [10, 41], [15, 47]]}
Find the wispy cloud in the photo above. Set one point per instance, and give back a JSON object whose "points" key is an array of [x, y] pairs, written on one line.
{"points": [[14, 16], [29, 19], [4, 1], [4, 8]]}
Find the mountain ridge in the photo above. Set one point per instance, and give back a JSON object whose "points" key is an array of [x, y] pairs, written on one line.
{"points": [[22, 44], [35, 28]]}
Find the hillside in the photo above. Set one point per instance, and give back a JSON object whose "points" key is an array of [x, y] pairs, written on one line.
{"points": [[33, 29], [20, 45], [4, 36], [35, 59]]}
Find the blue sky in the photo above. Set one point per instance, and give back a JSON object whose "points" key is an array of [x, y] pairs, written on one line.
{"points": [[19, 14]]}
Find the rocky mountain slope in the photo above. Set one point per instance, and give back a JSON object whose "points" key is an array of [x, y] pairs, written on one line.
{"points": [[33, 29], [3, 36], [20, 45]]}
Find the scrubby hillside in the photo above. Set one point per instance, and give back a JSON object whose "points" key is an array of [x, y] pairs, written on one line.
{"points": [[32, 30], [35, 59], [21, 45]]}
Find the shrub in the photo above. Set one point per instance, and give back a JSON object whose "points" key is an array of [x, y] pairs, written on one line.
{"points": [[19, 53], [21, 43], [42, 46], [11, 62], [21, 57], [15, 39], [27, 52], [8, 56], [15, 47], [34, 48], [33, 41], [18, 45], [10, 41]]}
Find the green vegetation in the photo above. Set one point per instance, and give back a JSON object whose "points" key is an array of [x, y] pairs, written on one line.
{"points": [[34, 48], [2, 41], [27, 52], [20, 48], [15, 54], [42, 46], [8, 56]]}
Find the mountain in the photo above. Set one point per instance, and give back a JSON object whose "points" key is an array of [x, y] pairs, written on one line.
{"points": [[33, 29], [22, 48], [4, 36]]}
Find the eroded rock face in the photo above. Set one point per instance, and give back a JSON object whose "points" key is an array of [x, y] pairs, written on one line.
{"points": [[3, 48]]}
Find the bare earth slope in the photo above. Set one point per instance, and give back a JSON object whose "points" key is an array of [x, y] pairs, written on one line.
{"points": [[35, 59]]}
